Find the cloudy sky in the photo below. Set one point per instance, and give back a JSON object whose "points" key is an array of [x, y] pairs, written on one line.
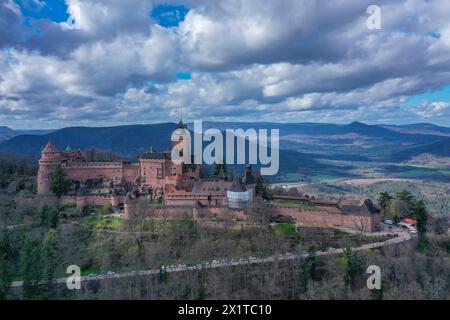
{"points": [[108, 62]]}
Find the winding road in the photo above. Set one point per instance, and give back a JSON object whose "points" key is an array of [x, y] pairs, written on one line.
{"points": [[401, 237]]}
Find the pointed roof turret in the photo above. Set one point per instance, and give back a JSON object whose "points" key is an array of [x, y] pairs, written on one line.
{"points": [[50, 153], [237, 186], [181, 125], [222, 174], [50, 148], [248, 177]]}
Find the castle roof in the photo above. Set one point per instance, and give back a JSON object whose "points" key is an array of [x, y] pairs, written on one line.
{"points": [[222, 174], [210, 187], [358, 207], [248, 177], [50, 148], [237, 185], [181, 125], [72, 155], [156, 155]]}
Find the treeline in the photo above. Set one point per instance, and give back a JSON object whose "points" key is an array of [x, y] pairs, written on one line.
{"points": [[31, 254], [435, 195], [12, 165], [404, 205]]}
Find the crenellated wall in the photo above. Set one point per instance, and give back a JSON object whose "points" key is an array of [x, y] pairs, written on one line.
{"points": [[93, 170], [324, 218]]}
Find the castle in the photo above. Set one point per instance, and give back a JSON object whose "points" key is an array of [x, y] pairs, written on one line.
{"points": [[164, 188], [155, 176]]}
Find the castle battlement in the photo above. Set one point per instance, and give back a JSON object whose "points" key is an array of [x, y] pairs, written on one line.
{"points": [[93, 165]]}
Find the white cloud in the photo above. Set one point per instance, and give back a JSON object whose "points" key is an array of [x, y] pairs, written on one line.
{"points": [[265, 60]]}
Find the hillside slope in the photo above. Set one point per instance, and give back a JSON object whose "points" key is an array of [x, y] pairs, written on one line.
{"points": [[126, 140], [439, 149]]}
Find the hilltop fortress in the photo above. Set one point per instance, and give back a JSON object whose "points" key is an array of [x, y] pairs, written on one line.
{"points": [[155, 177], [159, 185]]}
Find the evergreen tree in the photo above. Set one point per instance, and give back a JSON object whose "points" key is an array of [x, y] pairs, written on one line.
{"points": [[384, 201], [30, 267], [393, 211], [49, 217], [308, 268], [421, 215], [261, 187], [58, 182], [405, 202], [352, 266], [49, 257], [6, 271], [402, 205]]}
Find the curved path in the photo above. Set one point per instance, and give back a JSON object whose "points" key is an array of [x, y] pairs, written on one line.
{"points": [[402, 236]]}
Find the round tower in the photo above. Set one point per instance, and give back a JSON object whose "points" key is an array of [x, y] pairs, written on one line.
{"points": [[50, 159], [237, 196]]}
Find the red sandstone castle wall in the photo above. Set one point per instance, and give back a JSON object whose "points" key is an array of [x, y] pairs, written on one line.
{"points": [[93, 170], [318, 218], [191, 200], [153, 172], [81, 201], [131, 172], [132, 211]]}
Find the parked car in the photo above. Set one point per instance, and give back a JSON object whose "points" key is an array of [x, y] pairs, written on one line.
{"points": [[412, 230], [404, 225], [388, 222]]}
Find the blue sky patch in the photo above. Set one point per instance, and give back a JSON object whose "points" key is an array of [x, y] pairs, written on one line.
{"points": [[184, 76], [442, 94], [169, 15], [54, 10]]}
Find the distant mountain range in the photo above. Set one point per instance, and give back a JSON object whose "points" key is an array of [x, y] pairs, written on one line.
{"points": [[8, 133], [324, 129], [131, 140], [127, 140], [306, 148], [420, 128]]}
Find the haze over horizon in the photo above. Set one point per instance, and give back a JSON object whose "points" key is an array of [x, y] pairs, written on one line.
{"points": [[191, 122], [103, 63]]}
